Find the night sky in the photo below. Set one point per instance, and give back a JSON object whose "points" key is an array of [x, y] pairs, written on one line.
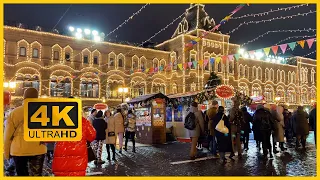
{"points": [[104, 18]]}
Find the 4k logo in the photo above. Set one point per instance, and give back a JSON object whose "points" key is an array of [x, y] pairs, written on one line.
{"points": [[52, 120]]}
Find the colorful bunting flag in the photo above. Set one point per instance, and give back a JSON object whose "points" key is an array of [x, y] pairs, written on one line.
{"points": [[212, 60], [200, 63], [218, 59], [205, 62], [230, 57], [224, 59], [180, 66], [194, 64], [310, 42], [301, 43], [151, 70], [185, 66], [194, 42], [283, 47], [266, 51], [292, 45], [156, 69], [275, 49], [189, 64], [236, 56]]}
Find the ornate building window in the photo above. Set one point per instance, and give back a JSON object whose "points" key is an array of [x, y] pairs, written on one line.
{"points": [[267, 74], [192, 58], [271, 74], [35, 50], [256, 90], [254, 72], [85, 56], [280, 93], [293, 77], [173, 59], [304, 96], [268, 93], [85, 59], [60, 86], [121, 61], [313, 72], [89, 88], [206, 57], [243, 88], [35, 53], [135, 62], [283, 76], [231, 66], [138, 85], [219, 67], [291, 95], [111, 59], [155, 63], [313, 95], [24, 81], [162, 65], [55, 55], [143, 63], [68, 53], [158, 85], [193, 87], [174, 88], [22, 51]]}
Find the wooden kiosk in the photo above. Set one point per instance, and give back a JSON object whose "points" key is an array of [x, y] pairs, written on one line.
{"points": [[150, 110]]}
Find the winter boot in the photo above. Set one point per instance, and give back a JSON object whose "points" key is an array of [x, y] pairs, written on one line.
{"points": [[282, 146], [275, 148]]}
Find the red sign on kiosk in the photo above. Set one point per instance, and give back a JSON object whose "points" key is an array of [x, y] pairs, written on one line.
{"points": [[224, 92]]}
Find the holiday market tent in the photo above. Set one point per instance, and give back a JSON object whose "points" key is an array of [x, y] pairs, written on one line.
{"points": [[150, 118]]}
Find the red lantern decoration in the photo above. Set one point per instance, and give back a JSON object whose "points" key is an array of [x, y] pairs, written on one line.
{"points": [[6, 98]]}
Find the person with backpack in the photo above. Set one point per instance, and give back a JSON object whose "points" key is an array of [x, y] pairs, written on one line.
{"points": [[195, 124], [236, 119]]}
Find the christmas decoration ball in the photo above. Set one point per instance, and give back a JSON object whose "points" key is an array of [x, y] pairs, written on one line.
{"points": [[6, 97]]}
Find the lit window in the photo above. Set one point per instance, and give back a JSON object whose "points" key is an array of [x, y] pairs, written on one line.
{"points": [[35, 53], [22, 51], [55, 55]]}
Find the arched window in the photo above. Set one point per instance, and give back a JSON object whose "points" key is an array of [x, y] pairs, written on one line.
{"points": [[89, 88], [231, 66], [256, 90], [56, 52], [243, 88], [304, 96], [35, 49], [313, 72], [121, 61], [291, 95], [174, 88], [272, 74], [111, 59], [241, 72], [86, 55], [158, 86], [193, 87], [68, 53], [254, 72], [162, 65], [219, 66], [60, 86], [23, 49], [192, 58], [268, 93], [24, 81], [278, 75], [267, 75], [280, 93], [206, 62], [96, 57], [135, 62], [155, 63], [283, 76], [173, 60], [293, 77], [289, 77], [138, 85]]}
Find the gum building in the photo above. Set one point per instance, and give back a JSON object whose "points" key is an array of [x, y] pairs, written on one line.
{"points": [[62, 66]]}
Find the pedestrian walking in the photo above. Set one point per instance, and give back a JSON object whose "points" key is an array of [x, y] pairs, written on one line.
{"points": [[300, 118], [278, 133], [100, 126], [110, 135], [195, 125], [28, 156], [256, 131], [119, 123], [211, 113], [287, 125], [92, 115], [71, 157], [236, 119], [223, 140], [245, 127], [130, 125], [263, 121], [313, 122]]}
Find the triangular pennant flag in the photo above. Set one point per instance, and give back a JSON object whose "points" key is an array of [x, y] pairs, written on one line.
{"points": [[161, 68], [266, 51], [205, 62], [200, 62], [156, 69], [224, 59], [197, 39], [283, 47], [310, 42], [194, 64], [180, 66], [212, 60], [301, 43], [236, 56], [151, 70], [193, 42], [230, 57], [275, 49], [185, 66], [218, 59], [292, 45], [189, 64]]}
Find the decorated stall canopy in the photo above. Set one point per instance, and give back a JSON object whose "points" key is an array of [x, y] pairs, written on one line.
{"points": [[145, 99]]}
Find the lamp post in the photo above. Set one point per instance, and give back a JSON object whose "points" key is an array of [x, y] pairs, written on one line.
{"points": [[123, 91]]}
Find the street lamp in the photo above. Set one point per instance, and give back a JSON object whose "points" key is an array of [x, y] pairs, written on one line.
{"points": [[123, 91]]}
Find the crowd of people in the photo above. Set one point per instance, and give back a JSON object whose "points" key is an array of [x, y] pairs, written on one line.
{"points": [[226, 133], [68, 158], [268, 123]]}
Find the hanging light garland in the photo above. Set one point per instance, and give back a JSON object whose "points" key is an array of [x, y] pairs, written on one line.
{"points": [[278, 31], [269, 20], [291, 37], [270, 11]]}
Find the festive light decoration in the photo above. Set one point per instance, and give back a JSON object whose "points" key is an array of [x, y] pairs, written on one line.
{"points": [[127, 20], [270, 11], [291, 37], [269, 20], [277, 31], [216, 27]]}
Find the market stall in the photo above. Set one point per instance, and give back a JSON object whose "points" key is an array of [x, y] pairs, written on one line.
{"points": [[151, 115]]}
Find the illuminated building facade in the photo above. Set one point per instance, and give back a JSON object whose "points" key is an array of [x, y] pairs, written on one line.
{"points": [[62, 66]]}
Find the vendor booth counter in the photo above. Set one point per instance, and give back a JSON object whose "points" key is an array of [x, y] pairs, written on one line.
{"points": [[150, 118]]}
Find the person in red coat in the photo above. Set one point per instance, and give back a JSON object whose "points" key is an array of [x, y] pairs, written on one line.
{"points": [[71, 158]]}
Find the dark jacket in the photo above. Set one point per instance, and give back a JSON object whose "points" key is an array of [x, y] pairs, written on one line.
{"points": [[263, 120], [100, 126], [312, 119], [300, 119], [224, 141], [246, 123]]}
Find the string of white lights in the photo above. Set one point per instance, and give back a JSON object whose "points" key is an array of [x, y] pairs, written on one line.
{"points": [[306, 55], [270, 11], [269, 20], [277, 31], [291, 37], [127, 20]]}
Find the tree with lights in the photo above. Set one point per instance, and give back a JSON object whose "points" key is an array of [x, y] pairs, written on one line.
{"points": [[207, 94], [213, 81]]}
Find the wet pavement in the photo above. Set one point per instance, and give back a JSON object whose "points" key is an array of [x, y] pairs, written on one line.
{"points": [[172, 160]]}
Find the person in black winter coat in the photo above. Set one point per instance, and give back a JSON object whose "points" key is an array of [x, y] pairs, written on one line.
{"points": [[224, 140], [264, 124], [246, 127], [100, 126]]}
